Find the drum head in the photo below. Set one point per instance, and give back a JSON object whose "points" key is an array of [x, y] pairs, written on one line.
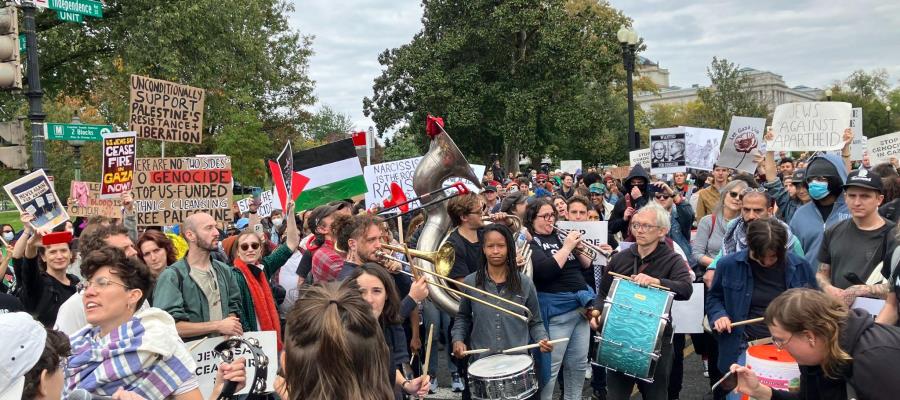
{"points": [[500, 365]]}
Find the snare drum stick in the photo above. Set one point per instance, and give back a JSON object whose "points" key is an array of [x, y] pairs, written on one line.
{"points": [[630, 279], [531, 346], [476, 351], [766, 340], [747, 322], [428, 349]]}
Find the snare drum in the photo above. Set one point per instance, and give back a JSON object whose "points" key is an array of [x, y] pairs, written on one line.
{"points": [[502, 376], [632, 325]]}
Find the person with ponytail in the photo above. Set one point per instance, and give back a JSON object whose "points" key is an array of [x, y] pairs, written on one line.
{"points": [[843, 354]]}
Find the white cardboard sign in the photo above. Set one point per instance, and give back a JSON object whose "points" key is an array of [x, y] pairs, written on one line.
{"points": [[810, 126], [379, 177], [208, 362], [882, 148], [641, 157]]}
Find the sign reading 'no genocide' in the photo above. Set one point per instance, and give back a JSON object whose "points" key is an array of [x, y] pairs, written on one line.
{"points": [[168, 190], [166, 111]]}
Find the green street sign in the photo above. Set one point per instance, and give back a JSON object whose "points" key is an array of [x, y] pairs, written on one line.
{"points": [[90, 8], [75, 131], [22, 46], [69, 16]]}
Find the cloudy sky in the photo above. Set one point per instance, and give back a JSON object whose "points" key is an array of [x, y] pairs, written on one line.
{"points": [[812, 42]]}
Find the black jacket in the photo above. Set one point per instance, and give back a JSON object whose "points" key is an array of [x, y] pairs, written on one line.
{"points": [[617, 222], [663, 263]]}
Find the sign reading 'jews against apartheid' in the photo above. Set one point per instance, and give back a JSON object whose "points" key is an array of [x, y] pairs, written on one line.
{"points": [[882, 148], [810, 126], [85, 201], [119, 150], [167, 190], [744, 140], [166, 111], [667, 150]]}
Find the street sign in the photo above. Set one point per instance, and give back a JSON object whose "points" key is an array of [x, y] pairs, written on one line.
{"points": [[84, 7], [69, 16], [22, 46], [75, 131]]}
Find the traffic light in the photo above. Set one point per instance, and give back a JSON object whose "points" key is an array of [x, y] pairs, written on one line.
{"points": [[10, 72], [14, 156]]}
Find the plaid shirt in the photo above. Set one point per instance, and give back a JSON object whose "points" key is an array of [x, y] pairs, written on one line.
{"points": [[326, 263]]}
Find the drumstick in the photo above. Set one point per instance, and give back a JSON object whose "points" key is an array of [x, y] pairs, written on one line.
{"points": [[630, 279], [428, 349], [747, 322], [476, 351], [765, 340], [531, 346]]}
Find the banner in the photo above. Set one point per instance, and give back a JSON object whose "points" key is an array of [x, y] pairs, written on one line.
{"points": [[702, 148], [85, 201], [744, 139], [667, 150], [810, 126], [570, 166], [379, 177], [204, 354], [882, 148], [166, 111], [858, 145], [34, 194], [641, 157], [593, 232], [167, 190], [119, 150]]}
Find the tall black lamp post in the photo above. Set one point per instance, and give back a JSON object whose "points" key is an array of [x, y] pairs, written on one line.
{"points": [[629, 38]]}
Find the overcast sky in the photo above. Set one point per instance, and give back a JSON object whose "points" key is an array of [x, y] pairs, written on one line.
{"points": [[809, 43]]}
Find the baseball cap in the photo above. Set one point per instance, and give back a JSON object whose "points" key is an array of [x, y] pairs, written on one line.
{"points": [[799, 176], [22, 345], [321, 212], [598, 188], [242, 223], [490, 188], [865, 179]]}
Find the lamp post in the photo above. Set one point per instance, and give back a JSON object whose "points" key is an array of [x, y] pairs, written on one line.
{"points": [[828, 94], [76, 146], [628, 38], [888, 109]]}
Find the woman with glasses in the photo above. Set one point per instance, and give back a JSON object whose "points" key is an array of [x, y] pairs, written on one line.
{"points": [[125, 349], [746, 283], [252, 273], [562, 294], [843, 354], [711, 229]]}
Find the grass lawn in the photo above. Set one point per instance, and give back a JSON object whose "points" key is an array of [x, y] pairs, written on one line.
{"points": [[12, 218]]}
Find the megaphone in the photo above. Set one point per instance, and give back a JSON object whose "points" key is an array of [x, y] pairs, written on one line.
{"points": [[397, 197]]}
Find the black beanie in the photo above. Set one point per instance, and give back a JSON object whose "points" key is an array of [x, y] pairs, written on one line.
{"points": [[820, 166]]}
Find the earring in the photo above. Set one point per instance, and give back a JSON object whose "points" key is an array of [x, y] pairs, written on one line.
{"points": [[811, 342]]}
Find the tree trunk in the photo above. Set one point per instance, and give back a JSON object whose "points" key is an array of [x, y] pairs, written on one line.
{"points": [[510, 159]]}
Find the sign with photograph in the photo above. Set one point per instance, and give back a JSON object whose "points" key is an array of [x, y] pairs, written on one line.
{"points": [[702, 147], [667, 150]]}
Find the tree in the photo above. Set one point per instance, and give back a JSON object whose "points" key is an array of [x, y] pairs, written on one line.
{"points": [[403, 146], [728, 95], [871, 92], [326, 122]]}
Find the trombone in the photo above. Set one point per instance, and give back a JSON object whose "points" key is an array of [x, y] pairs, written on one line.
{"points": [[444, 258], [588, 250]]}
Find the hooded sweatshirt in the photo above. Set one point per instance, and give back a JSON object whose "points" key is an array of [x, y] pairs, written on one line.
{"points": [[807, 223], [617, 222]]}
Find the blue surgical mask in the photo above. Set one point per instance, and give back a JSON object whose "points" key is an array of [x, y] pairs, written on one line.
{"points": [[818, 190]]}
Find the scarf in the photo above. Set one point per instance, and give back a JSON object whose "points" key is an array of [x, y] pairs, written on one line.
{"points": [[263, 302], [144, 356], [736, 237]]}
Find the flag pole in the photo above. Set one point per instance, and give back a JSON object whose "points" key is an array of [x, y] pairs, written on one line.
{"points": [[368, 148]]}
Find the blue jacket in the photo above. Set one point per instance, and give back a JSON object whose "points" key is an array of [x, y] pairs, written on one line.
{"points": [[730, 296], [807, 223]]}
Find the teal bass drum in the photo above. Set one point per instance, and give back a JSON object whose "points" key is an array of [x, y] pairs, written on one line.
{"points": [[634, 318]]}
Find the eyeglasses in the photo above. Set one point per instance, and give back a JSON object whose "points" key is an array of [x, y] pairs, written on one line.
{"points": [[246, 246], [5, 231], [100, 283], [779, 344], [546, 217], [662, 196], [734, 195], [542, 181], [642, 227]]}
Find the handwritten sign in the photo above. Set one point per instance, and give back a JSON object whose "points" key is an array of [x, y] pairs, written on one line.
{"points": [[379, 177], [858, 145], [641, 157], [167, 190], [593, 232], [810, 126], [85, 201], [166, 111], [667, 150], [34, 194], [744, 139], [119, 150], [204, 354], [882, 148], [570, 166], [687, 316]]}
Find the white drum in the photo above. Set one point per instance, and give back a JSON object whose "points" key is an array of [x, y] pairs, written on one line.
{"points": [[502, 376]]}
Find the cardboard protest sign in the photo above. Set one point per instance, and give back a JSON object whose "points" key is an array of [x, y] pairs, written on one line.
{"points": [[620, 172], [882, 148], [858, 145], [85, 201], [810, 126], [244, 204], [744, 139], [34, 194], [208, 362], [702, 147], [119, 150], [570, 166], [667, 150], [641, 157], [167, 190], [166, 111], [266, 204], [593, 232], [687, 316], [379, 177]]}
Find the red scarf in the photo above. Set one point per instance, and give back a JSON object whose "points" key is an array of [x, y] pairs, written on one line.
{"points": [[264, 304]]}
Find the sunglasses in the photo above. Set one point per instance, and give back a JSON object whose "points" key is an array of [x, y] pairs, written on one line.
{"points": [[734, 195], [662, 196], [247, 246]]}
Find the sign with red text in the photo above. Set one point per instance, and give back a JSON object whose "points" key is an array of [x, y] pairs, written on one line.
{"points": [[810, 126], [166, 111], [85, 201], [208, 361], [119, 150], [167, 190]]}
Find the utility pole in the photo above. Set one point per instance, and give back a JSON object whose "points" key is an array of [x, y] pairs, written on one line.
{"points": [[34, 93]]}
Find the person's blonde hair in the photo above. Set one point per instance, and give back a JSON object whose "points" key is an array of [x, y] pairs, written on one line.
{"points": [[800, 309]]}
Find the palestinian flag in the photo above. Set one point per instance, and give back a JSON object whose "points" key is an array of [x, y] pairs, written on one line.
{"points": [[334, 173]]}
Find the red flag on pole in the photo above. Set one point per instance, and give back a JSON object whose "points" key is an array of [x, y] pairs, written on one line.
{"points": [[359, 138]]}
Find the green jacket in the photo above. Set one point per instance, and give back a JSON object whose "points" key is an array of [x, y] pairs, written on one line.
{"points": [[271, 264], [178, 294]]}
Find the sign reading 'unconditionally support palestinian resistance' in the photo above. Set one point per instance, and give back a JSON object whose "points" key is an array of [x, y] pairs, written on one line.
{"points": [[166, 111], [167, 190], [810, 126]]}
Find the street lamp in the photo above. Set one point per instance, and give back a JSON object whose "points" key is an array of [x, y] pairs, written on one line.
{"points": [[76, 146], [828, 94], [629, 39]]}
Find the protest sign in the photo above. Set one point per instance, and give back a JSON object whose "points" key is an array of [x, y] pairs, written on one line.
{"points": [[702, 147], [119, 150], [244, 204], [882, 148], [687, 316], [593, 232], [570, 166], [379, 177], [34, 194], [266, 204], [641, 157], [667, 150], [620, 172], [744, 139], [166, 111], [203, 351], [810, 126], [85, 201], [858, 145], [167, 190]]}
